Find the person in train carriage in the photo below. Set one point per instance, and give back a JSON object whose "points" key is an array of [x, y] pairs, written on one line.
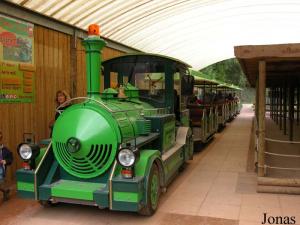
{"points": [[208, 98], [199, 100], [219, 97], [200, 97], [236, 98], [61, 99], [192, 100], [5, 160], [229, 97]]}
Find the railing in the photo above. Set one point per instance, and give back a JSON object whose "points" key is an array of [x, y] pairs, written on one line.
{"points": [[282, 141], [265, 166], [156, 110]]}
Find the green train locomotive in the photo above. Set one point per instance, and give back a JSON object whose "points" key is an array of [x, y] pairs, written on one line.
{"points": [[118, 149]]}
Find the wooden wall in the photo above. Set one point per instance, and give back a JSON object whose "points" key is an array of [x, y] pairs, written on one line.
{"points": [[53, 72]]}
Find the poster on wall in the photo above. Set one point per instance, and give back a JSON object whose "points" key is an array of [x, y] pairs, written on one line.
{"points": [[17, 70]]}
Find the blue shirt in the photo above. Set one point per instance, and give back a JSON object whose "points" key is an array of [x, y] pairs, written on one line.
{"points": [[1, 166], [1, 173]]}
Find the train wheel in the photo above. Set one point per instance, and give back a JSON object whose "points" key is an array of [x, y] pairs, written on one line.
{"points": [[153, 192], [46, 203], [198, 146]]}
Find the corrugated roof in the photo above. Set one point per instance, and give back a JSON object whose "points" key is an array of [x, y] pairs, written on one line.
{"points": [[199, 32]]}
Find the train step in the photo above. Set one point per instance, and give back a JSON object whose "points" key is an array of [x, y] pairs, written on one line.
{"points": [[76, 189]]}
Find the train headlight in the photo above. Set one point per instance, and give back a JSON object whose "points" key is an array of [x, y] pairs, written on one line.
{"points": [[28, 151], [126, 157], [25, 151]]}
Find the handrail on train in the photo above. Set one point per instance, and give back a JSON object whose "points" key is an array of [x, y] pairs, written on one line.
{"points": [[163, 110]]}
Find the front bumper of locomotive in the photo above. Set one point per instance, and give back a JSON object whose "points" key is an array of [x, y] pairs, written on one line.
{"points": [[119, 194]]}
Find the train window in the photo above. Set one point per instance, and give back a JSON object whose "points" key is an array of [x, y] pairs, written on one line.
{"points": [[177, 82], [187, 84], [125, 79], [205, 94], [199, 93], [151, 85]]}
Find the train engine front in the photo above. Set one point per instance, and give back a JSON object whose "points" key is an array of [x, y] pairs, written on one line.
{"points": [[85, 140]]}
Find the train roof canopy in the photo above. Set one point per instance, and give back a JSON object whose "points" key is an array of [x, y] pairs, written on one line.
{"points": [[144, 58], [230, 86], [201, 78]]}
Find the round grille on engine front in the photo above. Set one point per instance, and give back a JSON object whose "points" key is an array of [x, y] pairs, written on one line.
{"points": [[89, 165], [85, 141]]}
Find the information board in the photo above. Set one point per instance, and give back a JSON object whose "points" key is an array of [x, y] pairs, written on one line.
{"points": [[17, 70]]}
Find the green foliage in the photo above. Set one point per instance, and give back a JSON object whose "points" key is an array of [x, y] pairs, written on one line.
{"points": [[229, 71], [247, 95]]}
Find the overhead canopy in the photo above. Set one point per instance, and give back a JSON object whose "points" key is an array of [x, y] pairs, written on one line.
{"points": [[199, 32], [282, 62]]}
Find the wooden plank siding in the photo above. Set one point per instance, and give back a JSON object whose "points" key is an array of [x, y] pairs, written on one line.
{"points": [[53, 72]]}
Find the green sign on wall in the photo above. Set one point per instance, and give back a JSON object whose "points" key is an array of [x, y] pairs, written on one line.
{"points": [[17, 70]]}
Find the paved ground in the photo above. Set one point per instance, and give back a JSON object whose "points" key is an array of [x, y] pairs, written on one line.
{"points": [[214, 189]]}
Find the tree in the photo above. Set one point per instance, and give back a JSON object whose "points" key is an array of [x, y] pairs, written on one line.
{"points": [[229, 71]]}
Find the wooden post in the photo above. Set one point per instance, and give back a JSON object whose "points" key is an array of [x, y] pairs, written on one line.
{"points": [[274, 104], [261, 116], [298, 104], [277, 105], [280, 109], [291, 110], [284, 107], [256, 104], [271, 102]]}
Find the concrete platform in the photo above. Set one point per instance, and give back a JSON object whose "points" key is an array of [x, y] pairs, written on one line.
{"points": [[214, 189]]}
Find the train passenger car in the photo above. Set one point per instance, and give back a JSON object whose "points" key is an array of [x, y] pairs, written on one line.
{"points": [[237, 99], [232, 101], [118, 149], [204, 108]]}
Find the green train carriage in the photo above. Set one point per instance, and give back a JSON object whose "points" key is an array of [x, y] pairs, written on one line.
{"points": [[233, 104], [118, 149], [204, 113], [211, 107]]}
